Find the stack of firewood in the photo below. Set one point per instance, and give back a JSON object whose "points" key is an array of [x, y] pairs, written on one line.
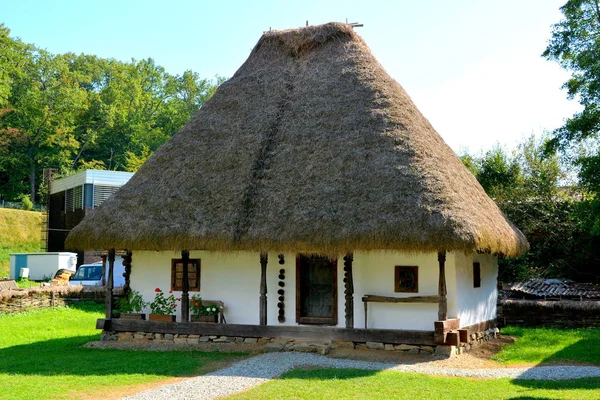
{"points": [[62, 277]]}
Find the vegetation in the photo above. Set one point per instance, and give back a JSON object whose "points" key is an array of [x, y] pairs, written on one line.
{"points": [[19, 232], [43, 358], [534, 190], [537, 345], [72, 112], [132, 303], [358, 384], [25, 283]]}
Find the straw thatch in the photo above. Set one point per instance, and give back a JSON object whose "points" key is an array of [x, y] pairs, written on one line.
{"points": [[311, 145]]}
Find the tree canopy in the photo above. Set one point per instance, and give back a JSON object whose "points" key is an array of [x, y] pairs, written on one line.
{"points": [[72, 112]]}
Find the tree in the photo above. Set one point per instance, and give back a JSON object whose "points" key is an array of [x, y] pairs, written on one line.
{"points": [[527, 187], [46, 99], [72, 111], [575, 45]]}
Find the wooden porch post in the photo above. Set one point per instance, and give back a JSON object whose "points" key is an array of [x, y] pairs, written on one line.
{"points": [[443, 304], [103, 270], [263, 288], [110, 283], [349, 290], [185, 287], [127, 272]]}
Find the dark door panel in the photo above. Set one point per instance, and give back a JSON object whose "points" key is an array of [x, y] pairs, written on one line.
{"points": [[316, 290]]}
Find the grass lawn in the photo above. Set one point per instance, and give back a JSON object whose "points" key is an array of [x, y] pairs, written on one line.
{"points": [[20, 232], [356, 384], [533, 346], [41, 358], [536, 345]]}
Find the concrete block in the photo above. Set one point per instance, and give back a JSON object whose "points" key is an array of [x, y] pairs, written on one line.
{"points": [[405, 347], [375, 345], [445, 351], [273, 347]]}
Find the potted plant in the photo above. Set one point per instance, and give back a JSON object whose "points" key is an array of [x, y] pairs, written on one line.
{"points": [[130, 306], [204, 313], [163, 307]]}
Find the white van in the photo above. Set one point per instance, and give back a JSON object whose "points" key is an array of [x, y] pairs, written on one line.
{"points": [[91, 274]]}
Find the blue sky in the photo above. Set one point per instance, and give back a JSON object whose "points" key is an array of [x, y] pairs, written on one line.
{"points": [[473, 67]]}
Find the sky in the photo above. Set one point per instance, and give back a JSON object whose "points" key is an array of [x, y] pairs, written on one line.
{"points": [[473, 67]]}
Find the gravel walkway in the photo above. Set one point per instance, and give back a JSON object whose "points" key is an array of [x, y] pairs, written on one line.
{"points": [[262, 368]]}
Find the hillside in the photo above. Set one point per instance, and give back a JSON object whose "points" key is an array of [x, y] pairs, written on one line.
{"points": [[20, 231]]}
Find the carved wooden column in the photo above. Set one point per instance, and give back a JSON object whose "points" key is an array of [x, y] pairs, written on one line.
{"points": [[127, 272], [443, 304], [104, 266], [110, 283], [349, 290], [263, 288], [185, 287]]}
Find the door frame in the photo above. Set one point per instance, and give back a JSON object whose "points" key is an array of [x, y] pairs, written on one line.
{"points": [[317, 320]]}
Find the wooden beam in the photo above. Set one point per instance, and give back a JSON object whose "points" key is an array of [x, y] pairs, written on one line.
{"points": [[443, 327], [110, 283], [463, 335], [412, 299], [310, 331], [349, 290], [264, 259], [442, 291], [185, 287]]}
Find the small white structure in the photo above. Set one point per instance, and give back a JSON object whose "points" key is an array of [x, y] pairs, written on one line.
{"points": [[42, 266]]}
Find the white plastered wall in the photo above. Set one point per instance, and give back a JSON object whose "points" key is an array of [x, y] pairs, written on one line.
{"points": [[234, 278], [476, 304], [374, 274]]}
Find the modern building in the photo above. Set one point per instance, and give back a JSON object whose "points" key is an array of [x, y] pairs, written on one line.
{"points": [[72, 197]]}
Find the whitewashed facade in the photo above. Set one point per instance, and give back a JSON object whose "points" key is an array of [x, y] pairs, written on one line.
{"points": [[234, 278]]}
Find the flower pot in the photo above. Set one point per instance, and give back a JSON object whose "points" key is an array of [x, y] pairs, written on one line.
{"points": [[132, 316], [162, 318], [206, 319]]}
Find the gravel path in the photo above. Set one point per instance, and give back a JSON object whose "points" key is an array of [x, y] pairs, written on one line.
{"points": [[262, 368]]}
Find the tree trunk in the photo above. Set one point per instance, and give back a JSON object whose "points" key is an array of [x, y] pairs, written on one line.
{"points": [[32, 178]]}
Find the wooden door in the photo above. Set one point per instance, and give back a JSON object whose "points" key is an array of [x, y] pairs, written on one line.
{"points": [[316, 290]]}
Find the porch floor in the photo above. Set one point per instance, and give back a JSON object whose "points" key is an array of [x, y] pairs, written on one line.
{"points": [[259, 331]]}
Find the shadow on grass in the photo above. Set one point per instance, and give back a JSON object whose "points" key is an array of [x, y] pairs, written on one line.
{"points": [[570, 384], [88, 306], [321, 374], [67, 357]]}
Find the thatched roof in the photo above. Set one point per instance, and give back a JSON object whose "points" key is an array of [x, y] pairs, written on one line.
{"points": [[310, 146]]}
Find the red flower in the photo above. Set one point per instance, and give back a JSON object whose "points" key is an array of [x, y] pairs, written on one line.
{"points": [[157, 290], [197, 304], [170, 291], [178, 299]]}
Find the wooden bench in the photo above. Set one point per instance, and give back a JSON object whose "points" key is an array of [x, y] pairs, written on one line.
{"points": [[221, 305], [371, 298]]}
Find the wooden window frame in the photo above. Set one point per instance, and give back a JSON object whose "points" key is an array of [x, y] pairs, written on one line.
{"points": [[317, 320], [397, 271], [191, 263], [476, 274]]}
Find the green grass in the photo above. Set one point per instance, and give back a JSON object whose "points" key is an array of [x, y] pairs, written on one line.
{"points": [[20, 232], [41, 357], [537, 345], [25, 283], [356, 384]]}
